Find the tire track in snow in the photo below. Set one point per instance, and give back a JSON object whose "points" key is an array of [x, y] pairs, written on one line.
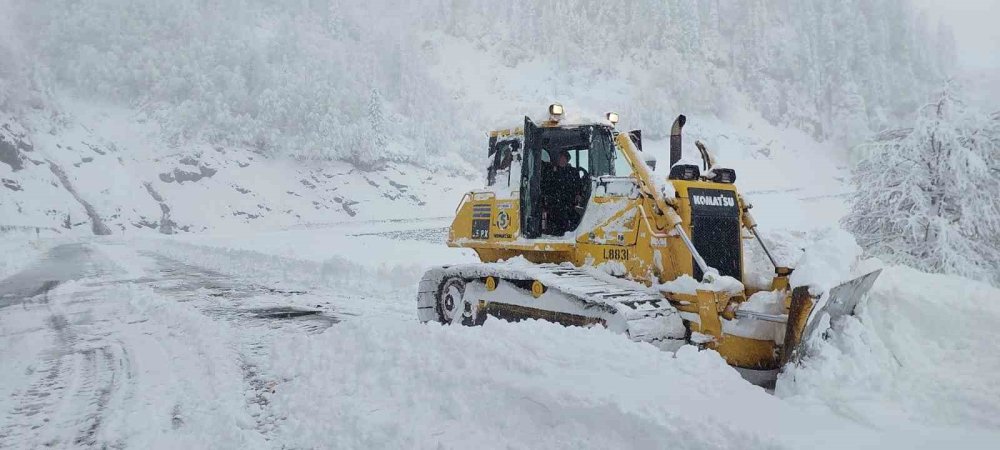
{"points": [[83, 391], [71, 392], [33, 405], [236, 302], [66, 400]]}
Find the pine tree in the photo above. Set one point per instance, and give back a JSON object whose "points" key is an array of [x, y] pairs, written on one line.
{"points": [[371, 137], [376, 119], [928, 197]]}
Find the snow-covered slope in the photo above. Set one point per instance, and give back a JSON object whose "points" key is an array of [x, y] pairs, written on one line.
{"points": [[103, 170], [106, 169]]}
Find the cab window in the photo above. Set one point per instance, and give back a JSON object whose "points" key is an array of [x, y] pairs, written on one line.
{"points": [[606, 158], [622, 166], [579, 158], [501, 158]]}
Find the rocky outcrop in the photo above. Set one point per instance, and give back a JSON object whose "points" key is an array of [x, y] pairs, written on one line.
{"points": [[166, 225], [181, 176], [11, 184], [96, 223], [13, 144]]}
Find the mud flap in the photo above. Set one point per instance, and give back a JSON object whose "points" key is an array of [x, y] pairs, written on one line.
{"points": [[842, 301]]}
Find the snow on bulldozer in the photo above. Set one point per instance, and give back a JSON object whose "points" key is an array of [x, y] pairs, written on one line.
{"points": [[572, 227]]}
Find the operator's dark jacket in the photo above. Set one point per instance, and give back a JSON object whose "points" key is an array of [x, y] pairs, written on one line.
{"points": [[560, 186]]}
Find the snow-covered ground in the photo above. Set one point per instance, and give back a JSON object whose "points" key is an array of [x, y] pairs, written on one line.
{"points": [[308, 338], [297, 328], [252, 288]]}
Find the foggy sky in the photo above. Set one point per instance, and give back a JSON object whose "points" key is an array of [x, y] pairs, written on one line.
{"points": [[976, 24]]}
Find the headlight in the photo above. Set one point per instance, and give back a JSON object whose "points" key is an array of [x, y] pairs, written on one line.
{"points": [[555, 110], [686, 172], [727, 176], [612, 117]]}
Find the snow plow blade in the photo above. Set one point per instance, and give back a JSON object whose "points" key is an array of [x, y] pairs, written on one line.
{"points": [[805, 320]]}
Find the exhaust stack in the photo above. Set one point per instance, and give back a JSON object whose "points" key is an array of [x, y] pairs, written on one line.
{"points": [[675, 139]]}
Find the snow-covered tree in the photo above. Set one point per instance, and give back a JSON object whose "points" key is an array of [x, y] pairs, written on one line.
{"points": [[929, 197], [294, 78], [376, 120], [373, 145]]}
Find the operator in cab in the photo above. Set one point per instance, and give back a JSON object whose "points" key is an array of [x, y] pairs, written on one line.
{"points": [[561, 187]]}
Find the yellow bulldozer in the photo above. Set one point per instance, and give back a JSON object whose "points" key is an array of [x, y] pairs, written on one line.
{"points": [[572, 228]]}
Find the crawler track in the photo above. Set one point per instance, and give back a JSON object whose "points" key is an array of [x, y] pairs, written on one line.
{"points": [[569, 296]]}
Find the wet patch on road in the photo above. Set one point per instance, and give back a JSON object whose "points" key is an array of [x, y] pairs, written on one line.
{"points": [[60, 264], [46, 286], [282, 312], [223, 296]]}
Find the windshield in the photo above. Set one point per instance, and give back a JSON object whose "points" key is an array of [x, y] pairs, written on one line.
{"points": [[589, 147]]}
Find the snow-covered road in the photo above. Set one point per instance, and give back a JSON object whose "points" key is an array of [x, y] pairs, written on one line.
{"points": [[234, 342], [109, 347]]}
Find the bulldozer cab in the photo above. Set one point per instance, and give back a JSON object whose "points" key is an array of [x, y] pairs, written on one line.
{"points": [[546, 191]]}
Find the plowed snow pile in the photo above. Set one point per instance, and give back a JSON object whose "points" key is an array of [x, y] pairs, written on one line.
{"points": [[915, 370], [537, 385], [923, 348]]}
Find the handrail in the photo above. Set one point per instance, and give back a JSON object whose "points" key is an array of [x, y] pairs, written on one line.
{"points": [[649, 228], [473, 194], [462, 202]]}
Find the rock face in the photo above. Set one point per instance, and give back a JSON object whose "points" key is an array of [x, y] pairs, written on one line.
{"points": [[181, 176], [96, 222], [11, 184], [166, 225], [9, 155], [13, 144]]}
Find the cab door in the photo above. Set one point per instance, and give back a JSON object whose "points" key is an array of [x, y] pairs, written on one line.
{"points": [[531, 182]]}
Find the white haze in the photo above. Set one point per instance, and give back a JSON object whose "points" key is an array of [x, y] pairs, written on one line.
{"points": [[297, 78], [974, 23]]}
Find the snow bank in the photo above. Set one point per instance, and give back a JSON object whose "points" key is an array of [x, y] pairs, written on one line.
{"points": [[340, 270], [406, 385], [398, 253], [922, 348], [786, 246], [386, 384], [827, 262]]}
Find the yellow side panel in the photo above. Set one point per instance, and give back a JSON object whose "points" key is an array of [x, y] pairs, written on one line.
{"points": [[484, 220], [505, 222], [612, 239]]}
